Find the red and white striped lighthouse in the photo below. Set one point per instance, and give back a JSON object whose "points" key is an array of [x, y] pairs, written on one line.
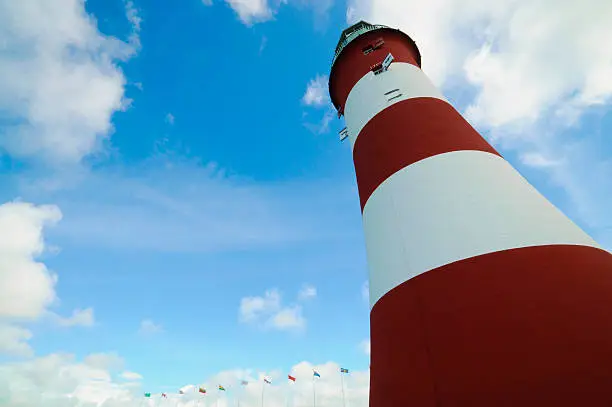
{"points": [[482, 292]]}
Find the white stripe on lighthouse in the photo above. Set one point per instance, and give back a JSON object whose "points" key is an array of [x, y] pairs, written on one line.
{"points": [[451, 207], [370, 95]]}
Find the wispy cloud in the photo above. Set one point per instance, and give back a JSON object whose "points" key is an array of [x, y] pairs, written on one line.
{"points": [[307, 292], [79, 317], [174, 206], [149, 327], [316, 92], [170, 118]]}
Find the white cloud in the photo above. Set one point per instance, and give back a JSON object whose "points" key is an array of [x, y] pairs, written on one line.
{"points": [[510, 51], [365, 346], [59, 380], [127, 375], [79, 317], [13, 341], [316, 93], [288, 318], [148, 327], [267, 311], [59, 81], [135, 20], [251, 11], [104, 361], [536, 159], [26, 286], [170, 118], [169, 205], [307, 292]]}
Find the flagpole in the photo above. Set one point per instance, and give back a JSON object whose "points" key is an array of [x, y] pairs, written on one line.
{"points": [[314, 393], [263, 386], [342, 385]]}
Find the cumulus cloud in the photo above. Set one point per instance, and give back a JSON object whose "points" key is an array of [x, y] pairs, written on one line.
{"points": [[148, 327], [59, 79], [257, 11], [509, 50], [307, 292], [250, 11], [14, 341], [267, 311], [60, 380], [27, 287]]}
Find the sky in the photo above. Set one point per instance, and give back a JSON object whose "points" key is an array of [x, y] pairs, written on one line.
{"points": [[176, 208]]}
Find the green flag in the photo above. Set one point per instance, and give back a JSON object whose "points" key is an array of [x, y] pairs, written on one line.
{"points": [[147, 394]]}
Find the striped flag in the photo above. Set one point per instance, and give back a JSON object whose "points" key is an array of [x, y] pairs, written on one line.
{"points": [[316, 374], [221, 388], [291, 378], [202, 390], [267, 381], [343, 370]]}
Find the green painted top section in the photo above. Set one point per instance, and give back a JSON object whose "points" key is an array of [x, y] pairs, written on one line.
{"points": [[353, 32]]}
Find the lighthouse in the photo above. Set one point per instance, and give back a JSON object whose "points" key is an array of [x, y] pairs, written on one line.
{"points": [[482, 292]]}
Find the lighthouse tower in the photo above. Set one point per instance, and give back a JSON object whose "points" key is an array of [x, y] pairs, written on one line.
{"points": [[482, 292]]}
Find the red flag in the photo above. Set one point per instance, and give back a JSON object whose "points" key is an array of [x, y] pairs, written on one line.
{"points": [[291, 378], [164, 395]]}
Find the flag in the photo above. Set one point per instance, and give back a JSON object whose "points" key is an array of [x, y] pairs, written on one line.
{"points": [[164, 395], [221, 388], [343, 370], [267, 381], [201, 390], [147, 394], [316, 374], [181, 392], [291, 378], [244, 382]]}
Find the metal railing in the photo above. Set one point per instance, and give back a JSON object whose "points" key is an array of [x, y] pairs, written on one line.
{"points": [[360, 28]]}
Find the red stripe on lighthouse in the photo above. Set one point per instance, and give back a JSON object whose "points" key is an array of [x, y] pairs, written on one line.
{"points": [[407, 132], [529, 327]]}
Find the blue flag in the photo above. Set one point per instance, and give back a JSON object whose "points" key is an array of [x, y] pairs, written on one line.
{"points": [[316, 373]]}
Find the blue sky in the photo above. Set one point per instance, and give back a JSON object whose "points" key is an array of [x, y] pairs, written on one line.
{"points": [[192, 153]]}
